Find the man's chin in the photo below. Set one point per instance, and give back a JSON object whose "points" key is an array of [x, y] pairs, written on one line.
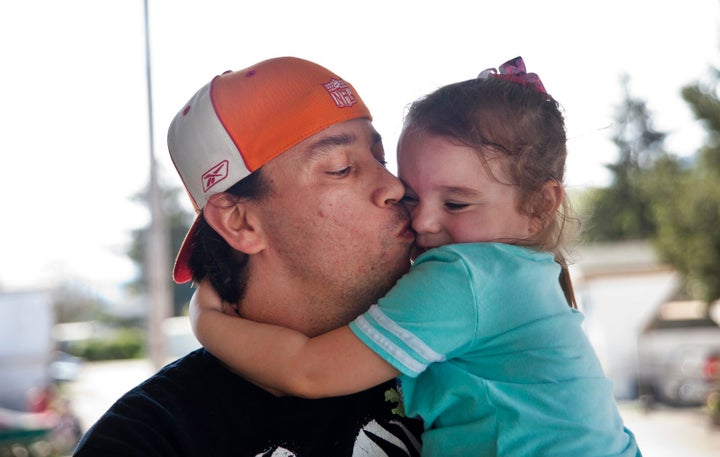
{"points": [[415, 251]]}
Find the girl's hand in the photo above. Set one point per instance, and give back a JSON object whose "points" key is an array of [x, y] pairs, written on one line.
{"points": [[206, 298]]}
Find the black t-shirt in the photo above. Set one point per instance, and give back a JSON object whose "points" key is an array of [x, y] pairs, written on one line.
{"points": [[196, 407]]}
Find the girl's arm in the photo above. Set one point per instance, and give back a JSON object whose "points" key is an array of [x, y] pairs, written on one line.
{"points": [[280, 359]]}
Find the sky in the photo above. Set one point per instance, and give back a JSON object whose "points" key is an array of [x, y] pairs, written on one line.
{"points": [[74, 129]]}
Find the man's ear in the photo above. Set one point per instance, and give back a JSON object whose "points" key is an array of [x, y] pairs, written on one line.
{"points": [[234, 221], [546, 204]]}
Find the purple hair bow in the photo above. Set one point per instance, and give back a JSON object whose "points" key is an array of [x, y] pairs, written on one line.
{"points": [[514, 70]]}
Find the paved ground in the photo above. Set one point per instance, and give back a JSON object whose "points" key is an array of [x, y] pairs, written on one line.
{"points": [[672, 432], [663, 432]]}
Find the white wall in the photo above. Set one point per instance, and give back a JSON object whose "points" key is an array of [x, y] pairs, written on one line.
{"points": [[616, 309], [619, 285], [26, 320]]}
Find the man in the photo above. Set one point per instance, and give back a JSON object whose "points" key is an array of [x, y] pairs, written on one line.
{"points": [[299, 225]]}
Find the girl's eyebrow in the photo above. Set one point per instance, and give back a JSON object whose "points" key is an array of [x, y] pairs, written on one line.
{"points": [[461, 191]]}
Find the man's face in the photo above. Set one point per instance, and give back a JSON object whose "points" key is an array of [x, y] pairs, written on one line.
{"points": [[334, 222]]}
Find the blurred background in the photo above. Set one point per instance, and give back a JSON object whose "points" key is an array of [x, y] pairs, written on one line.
{"points": [[94, 211]]}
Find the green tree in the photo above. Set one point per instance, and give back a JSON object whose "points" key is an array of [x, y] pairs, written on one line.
{"points": [[178, 221], [623, 210], [689, 223]]}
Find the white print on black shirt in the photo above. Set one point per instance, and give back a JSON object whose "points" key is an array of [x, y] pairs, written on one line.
{"points": [[373, 440], [278, 452]]}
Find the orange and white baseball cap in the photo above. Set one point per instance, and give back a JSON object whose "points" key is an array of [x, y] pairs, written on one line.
{"points": [[243, 119]]}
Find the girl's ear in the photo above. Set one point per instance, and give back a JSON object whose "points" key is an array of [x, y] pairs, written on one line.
{"points": [[546, 205], [234, 221]]}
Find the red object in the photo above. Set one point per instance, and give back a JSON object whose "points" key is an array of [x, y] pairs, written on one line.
{"points": [[711, 370]]}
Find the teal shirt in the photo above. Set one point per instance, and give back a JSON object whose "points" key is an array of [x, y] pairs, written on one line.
{"points": [[492, 357]]}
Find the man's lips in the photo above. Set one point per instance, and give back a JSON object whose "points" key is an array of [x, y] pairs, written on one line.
{"points": [[406, 232]]}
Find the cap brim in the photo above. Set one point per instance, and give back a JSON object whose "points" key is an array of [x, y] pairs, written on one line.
{"points": [[181, 271]]}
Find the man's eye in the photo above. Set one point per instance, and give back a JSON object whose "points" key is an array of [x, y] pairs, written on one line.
{"points": [[340, 173], [409, 199]]}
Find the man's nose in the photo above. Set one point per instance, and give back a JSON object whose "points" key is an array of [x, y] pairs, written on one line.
{"points": [[389, 190]]}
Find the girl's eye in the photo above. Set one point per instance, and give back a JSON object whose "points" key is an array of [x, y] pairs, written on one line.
{"points": [[340, 173], [453, 206]]}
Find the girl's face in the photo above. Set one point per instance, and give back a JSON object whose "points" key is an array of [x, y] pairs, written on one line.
{"points": [[452, 198]]}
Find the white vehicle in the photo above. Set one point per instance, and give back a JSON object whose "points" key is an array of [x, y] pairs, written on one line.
{"points": [[674, 351]]}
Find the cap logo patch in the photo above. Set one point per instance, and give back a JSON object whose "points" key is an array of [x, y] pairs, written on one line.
{"points": [[215, 175], [341, 93]]}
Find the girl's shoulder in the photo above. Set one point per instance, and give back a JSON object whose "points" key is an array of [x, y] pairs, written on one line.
{"points": [[482, 261], [485, 252]]}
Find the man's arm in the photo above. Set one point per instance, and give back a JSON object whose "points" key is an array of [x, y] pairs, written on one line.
{"points": [[280, 359]]}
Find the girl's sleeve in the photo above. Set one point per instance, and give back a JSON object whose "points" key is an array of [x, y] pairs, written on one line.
{"points": [[429, 316]]}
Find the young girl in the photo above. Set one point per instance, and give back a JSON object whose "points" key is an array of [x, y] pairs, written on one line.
{"points": [[488, 352]]}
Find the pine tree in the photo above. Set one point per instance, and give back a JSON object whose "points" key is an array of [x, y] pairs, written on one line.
{"points": [[689, 223], [623, 210], [178, 221]]}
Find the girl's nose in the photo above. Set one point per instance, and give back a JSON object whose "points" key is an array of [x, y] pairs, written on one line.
{"points": [[424, 220]]}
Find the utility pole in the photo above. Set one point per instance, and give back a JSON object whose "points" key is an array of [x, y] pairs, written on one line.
{"points": [[157, 243]]}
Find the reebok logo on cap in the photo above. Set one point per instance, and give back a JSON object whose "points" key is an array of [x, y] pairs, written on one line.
{"points": [[215, 175]]}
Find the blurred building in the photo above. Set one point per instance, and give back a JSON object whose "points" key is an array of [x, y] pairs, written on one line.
{"points": [[26, 345], [619, 286]]}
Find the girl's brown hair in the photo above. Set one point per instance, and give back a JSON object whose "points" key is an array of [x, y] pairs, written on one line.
{"points": [[522, 125]]}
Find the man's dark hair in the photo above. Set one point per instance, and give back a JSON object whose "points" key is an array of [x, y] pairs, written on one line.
{"points": [[212, 257]]}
